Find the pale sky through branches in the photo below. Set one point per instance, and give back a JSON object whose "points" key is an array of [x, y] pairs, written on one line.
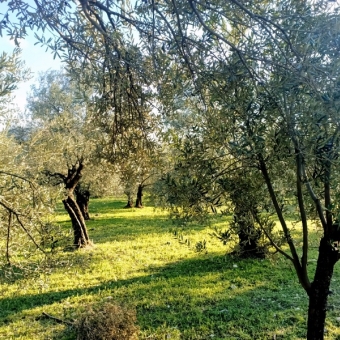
{"points": [[37, 59]]}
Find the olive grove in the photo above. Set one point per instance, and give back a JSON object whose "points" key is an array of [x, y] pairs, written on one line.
{"points": [[265, 81]]}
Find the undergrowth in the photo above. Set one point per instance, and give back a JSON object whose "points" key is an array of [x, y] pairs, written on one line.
{"points": [[108, 321], [180, 281]]}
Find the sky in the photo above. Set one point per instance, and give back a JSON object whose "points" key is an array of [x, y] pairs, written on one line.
{"points": [[35, 57]]}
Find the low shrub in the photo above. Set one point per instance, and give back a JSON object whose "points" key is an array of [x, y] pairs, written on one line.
{"points": [[108, 322]]}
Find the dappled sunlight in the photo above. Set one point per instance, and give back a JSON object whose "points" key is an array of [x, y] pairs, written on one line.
{"points": [[138, 260]]}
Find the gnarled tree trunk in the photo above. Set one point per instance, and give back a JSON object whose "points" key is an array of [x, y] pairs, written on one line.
{"points": [[82, 199], [81, 237]]}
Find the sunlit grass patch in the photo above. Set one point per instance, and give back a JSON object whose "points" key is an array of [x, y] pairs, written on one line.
{"points": [[178, 293]]}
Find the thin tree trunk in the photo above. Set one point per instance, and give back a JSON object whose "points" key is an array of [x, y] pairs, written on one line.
{"points": [[129, 203], [9, 225], [319, 291], [139, 202]]}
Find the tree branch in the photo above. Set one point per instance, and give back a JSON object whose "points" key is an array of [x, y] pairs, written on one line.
{"points": [[304, 260], [220, 37], [270, 238], [12, 211], [296, 262], [58, 320]]}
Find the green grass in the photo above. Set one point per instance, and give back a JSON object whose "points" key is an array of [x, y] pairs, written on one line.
{"points": [[178, 293]]}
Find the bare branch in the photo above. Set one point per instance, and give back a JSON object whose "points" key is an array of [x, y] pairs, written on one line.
{"points": [[17, 215], [270, 238]]}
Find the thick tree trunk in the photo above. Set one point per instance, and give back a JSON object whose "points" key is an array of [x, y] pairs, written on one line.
{"points": [[71, 181], [139, 203], [83, 198], [248, 234], [319, 291], [248, 242], [81, 237]]}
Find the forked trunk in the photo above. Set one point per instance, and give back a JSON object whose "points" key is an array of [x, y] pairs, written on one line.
{"points": [[81, 237], [139, 203], [71, 181], [319, 291]]}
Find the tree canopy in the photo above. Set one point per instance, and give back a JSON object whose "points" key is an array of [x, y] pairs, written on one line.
{"points": [[260, 81]]}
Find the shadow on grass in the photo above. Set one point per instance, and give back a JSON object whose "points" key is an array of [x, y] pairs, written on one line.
{"points": [[108, 214], [109, 205], [129, 224], [206, 295], [121, 228]]}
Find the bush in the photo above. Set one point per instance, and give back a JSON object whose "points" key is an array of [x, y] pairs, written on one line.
{"points": [[108, 322]]}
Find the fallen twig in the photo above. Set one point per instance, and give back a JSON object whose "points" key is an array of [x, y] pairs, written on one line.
{"points": [[70, 323]]}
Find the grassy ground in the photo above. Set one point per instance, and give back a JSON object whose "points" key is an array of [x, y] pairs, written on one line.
{"points": [[178, 293]]}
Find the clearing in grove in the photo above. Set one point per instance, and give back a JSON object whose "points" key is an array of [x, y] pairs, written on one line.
{"points": [[142, 260]]}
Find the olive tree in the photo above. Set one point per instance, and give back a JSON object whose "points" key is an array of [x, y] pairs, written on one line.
{"points": [[60, 143], [24, 205], [271, 71], [102, 54]]}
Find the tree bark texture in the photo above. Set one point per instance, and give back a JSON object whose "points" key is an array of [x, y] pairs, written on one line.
{"points": [[247, 232], [71, 181], [83, 198], [319, 291], [81, 237]]}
